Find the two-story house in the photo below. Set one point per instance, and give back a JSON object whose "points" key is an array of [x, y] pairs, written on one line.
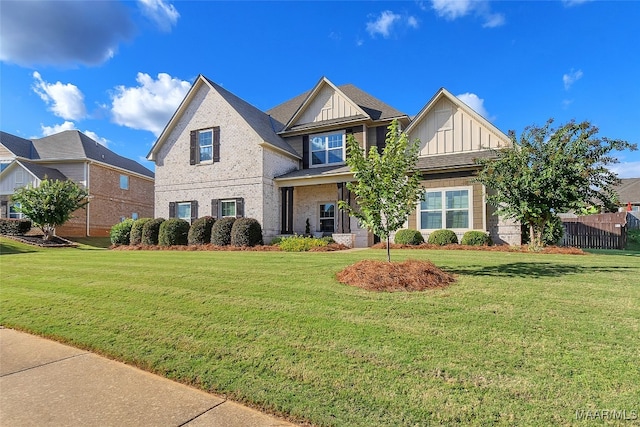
{"points": [[118, 187], [221, 156]]}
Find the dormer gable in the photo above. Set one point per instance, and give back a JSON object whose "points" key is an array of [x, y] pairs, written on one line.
{"points": [[326, 103], [446, 125]]}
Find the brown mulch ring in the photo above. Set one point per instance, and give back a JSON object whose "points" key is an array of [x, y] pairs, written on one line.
{"points": [[38, 240], [493, 248], [382, 276]]}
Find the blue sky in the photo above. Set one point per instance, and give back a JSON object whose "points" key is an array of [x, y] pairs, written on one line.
{"points": [[118, 70]]}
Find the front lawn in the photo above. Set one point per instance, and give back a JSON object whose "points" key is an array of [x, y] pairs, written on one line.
{"points": [[519, 339]]}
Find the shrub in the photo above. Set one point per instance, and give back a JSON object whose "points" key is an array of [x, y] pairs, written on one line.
{"points": [[200, 231], [246, 232], [173, 232], [120, 233], [301, 243], [150, 231], [408, 237], [276, 241], [476, 238], [15, 227], [221, 231], [442, 237], [136, 230]]}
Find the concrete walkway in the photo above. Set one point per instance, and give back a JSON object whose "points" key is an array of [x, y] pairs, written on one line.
{"points": [[45, 383]]}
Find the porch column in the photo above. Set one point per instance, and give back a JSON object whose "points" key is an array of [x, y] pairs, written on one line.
{"points": [[344, 222], [287, 210]]}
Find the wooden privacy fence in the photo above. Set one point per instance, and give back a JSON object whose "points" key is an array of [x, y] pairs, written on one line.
{"points": [[603, 231]]}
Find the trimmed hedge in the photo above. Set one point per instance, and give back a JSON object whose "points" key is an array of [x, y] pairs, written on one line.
{"points": [[221, 231], [476, 238], [15, 227], [246, 232], [301, 243], [200, 231], [408, 237], [150, 231], [120, 233], [136, 230], [442, 237], [174, 232]]}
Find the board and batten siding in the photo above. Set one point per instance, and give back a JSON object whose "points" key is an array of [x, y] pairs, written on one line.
{"points": [[448, 129], [327, 105]]}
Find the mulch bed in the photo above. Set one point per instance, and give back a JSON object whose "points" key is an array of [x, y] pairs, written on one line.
{"points": [[382, 276], [494, 248], [37, 240], [264, 248]]}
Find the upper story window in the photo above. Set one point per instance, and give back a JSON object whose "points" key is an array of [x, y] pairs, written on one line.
{"points": [[327, 148], [205, 146], [124, 182]]}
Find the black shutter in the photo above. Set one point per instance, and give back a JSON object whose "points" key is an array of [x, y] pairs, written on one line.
{"points": [[216, 144], [305, 152], [214, 208], [239, 207], [172, 209], [193, 153], [194, 210], [381, 138]]}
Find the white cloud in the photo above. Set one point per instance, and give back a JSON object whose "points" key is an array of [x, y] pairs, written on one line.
{"points": [[52, 130], [570, 3], [454, 9], [626, 169], [570, 78], [65, 100], [475, 102], [65, 33], [387, 22], [162, 13], [150, 105]]}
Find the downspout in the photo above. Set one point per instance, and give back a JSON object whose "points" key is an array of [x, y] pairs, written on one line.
{"points": [[86, 180], [484, 209]]}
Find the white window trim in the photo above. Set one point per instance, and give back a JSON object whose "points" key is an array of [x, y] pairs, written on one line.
{"points": [[443, 190], [335, 213], [235, 208], [344, 148], [17, 215], [178, 210], [204, 162]]}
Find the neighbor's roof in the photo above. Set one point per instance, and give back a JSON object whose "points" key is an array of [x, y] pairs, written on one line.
{"points": [[74, 145], [20, 147], [42, 172], [628, 191]]}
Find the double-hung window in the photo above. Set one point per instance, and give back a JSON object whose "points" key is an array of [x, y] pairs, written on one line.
{"points": [[205, 146], [327, 148], [327, 217], [446, 208]]}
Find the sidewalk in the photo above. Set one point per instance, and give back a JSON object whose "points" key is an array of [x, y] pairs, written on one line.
{"points": [[44, 383]]}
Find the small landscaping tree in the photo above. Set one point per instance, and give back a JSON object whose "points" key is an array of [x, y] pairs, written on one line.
{"points": [[548, 171], [51, 204], [387, 185]]}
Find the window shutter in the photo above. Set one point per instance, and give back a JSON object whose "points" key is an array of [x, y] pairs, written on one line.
{"points": [[305, 152], [194, 210], [214, 208], [172, 209], [216, 144], [193, 146], [239, 207], [381, 138]]}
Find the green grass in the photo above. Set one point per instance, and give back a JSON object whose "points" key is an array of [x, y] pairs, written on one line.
{"points": [[520, 339]]}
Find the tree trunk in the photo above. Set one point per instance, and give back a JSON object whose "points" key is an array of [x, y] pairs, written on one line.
{"points": [[388, 248]]}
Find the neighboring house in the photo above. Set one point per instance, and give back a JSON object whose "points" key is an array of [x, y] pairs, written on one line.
{"points": [[628, 192], [118, 187], [220, 156]]}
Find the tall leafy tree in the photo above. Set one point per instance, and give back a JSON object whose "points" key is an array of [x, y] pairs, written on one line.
{"points": [[387, 185], [551, 170], [51, 204]]}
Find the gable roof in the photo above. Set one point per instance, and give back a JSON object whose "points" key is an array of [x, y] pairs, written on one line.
{"points": [[75, 145], [260, 122], [20, 147], [444, 93], [628, 191], [39, 171], [369, 106]]}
